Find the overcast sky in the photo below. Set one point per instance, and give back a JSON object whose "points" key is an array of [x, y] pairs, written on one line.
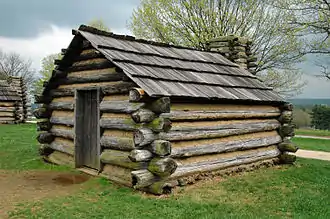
{"points": [[36, 28]]}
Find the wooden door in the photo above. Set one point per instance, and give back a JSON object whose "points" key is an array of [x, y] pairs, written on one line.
{"points": [[87, 128]]}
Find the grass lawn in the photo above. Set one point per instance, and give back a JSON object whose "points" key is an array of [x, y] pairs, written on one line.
{"points": [[311, 132], [298, 191], [312, 144]]}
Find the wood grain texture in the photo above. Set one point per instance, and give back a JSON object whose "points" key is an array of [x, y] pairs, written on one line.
{"points": [[216, 162], [118, 174]]}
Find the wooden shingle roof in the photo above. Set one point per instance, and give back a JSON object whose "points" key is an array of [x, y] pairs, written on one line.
{"points": [[165, 70], [7, 93]]}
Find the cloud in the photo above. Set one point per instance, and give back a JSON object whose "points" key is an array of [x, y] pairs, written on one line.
{"points": [[316, 87], [48, 41]]}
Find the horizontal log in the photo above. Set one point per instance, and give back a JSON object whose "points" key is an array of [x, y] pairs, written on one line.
{"points": [[118, 143], [7, 104], [69, 121], [7, 109], [45, 138], [118, 174], [143, 178], [222, 125], [60, 158], [161, 148], [225, 130], [220, 114], [157, 125], [118, 88], [143, 116], [61, 106], [60, 132], [42, 113], [161, 105], [286, 158], [91, 66], [136, 94], [224, 146], [140, 155], [62, 147], [7, 114], [162, 166], [120, 106], [45, 150], [289, 146], [228, 160], [102, 77], [120, 158]]}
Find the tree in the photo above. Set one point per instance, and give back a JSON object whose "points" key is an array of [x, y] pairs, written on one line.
{"points": [[193, 22], [99, 24], [321, 117], [12, 64], [47, 66], [312, 20]]}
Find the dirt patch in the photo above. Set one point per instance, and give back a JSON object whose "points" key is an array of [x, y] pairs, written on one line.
{"points": [[18, 187]]}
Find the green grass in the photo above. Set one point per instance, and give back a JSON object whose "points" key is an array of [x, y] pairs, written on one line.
{"points": [[298, 191], [312, 132], [18, 148], [312, 144]]}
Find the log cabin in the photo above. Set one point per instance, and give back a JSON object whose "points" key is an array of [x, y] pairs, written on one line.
{"points": [[153, 116], [12, 100]]}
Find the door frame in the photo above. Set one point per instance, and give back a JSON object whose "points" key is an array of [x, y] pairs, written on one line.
{"points": [[78, 160]]}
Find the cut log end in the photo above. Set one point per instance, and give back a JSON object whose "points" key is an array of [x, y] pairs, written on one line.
{"points": [[161, 105], [143, 137], [288, 146], [286, 158], [161, 147], [140, 155], [162, 166], [136, 94], [143, 115]]}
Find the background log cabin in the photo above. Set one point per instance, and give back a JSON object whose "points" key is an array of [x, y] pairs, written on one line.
{"points": [[12, 100], [152, 116]]}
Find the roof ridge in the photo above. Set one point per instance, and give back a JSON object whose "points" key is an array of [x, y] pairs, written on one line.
{"points": [[96, 31]]}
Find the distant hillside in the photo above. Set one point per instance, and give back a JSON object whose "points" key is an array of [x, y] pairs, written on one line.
{"points": [[309, 102]]}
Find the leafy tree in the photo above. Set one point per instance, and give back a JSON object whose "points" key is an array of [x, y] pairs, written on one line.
{"points": [[193, 22], [321, 117], [99, 24], [47, 66], [13, 64]]}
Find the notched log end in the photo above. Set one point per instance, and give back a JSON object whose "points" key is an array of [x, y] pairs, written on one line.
{"points": [[136, 94]]}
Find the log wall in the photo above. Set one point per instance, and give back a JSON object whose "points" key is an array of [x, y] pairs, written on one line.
{"points": [[152, 144], [14, 111]]}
